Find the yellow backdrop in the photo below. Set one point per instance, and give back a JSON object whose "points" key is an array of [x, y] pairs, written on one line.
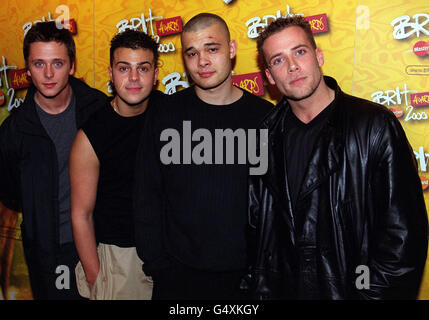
{"points": [[376, 49]]}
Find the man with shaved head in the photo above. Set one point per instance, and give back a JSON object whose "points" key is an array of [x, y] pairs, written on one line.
{"points": [[190, 215], [204, 20]]}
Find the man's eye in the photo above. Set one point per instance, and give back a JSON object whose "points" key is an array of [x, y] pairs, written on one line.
{"points": [[143, 69], [39, 64], [123, 69], [58, 64], [192, 54], [300, 52], [277, 61], [213, 49]]}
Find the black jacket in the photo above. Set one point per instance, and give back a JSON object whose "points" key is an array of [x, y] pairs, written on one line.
{"points": [[361, 204], [29, 171]]}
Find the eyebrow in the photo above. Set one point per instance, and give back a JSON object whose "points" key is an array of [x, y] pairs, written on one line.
{"points": [[41, 59], [294, 48], [189, 49], [275, 56], [205, 45], [212, 44], [300, 45], [129, 64]]}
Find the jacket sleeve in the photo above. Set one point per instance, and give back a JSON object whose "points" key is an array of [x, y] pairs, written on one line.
{"points": [[262, 283], [254, 282], [149, 204], [399, 231], [253, 207], [9, 172]]}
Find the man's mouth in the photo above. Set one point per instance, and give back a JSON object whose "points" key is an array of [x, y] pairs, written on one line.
{"points": [[133, 88], [49, 85], [206, 74], [296, 81]]}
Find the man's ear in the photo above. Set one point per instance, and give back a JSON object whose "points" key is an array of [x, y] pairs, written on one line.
{"points": [[155, 78], [109, 68], [232, 49], [320, 57], [269, 76], [72, 69]]}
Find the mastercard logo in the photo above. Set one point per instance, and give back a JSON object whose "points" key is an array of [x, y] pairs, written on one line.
{"points": [[2, 100], [421, 48], [397, 112], [425, 182]]}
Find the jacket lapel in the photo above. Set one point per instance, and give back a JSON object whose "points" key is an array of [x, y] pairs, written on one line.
{"points": [[84, 99], [275, 178], [325, 158]]}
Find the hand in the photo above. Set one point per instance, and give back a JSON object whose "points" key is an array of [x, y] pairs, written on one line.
{"points": [[91, 277]]}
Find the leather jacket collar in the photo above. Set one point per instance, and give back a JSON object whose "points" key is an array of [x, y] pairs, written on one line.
{"points": [[325, 156]]}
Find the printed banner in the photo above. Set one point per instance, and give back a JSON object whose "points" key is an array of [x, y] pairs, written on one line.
{"points": [[251, 82]]}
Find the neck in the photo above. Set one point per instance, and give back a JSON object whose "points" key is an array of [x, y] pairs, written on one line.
{"points": [[307, 109], [126, 110], [223, 94], [56, 104]]}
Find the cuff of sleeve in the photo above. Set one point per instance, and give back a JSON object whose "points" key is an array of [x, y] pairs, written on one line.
{"points": [[154, 268]]}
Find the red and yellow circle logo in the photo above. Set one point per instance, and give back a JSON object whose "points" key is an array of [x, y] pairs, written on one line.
{"points": [[421, 48]]}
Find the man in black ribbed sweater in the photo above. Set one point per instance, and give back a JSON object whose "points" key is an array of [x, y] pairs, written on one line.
{"points": [[191, 192]]}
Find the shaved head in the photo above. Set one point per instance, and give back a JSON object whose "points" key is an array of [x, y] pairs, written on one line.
{"points": [[204, 20]]}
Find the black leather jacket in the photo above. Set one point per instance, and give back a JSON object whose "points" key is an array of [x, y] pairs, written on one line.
{"points": [[361, 204]]}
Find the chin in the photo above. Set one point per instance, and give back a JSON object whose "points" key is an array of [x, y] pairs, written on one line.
{"points": [[49, 95], [133, 102], [207, 85], [299, 97]]}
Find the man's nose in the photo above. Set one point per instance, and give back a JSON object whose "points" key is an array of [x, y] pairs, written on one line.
{"points": [[293, 65], [203, 60], [49, 71], [134, 74]]}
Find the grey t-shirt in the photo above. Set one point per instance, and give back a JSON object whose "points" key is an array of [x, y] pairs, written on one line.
{"points": [[62, 129]]}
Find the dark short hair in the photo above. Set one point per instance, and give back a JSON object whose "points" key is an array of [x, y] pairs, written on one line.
{"points": [[46, 32], [134, 39], [204, 20], [281, 24]]}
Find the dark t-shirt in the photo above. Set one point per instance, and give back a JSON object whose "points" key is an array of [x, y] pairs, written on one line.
{"points": [[61, 128], [115, 140], [204, 225], [299, 142]]}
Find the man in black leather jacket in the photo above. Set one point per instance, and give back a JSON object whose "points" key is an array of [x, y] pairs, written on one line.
{"points": [[340, 212]]}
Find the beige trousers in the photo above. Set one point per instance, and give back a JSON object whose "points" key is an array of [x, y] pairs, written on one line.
{"points": [[120, 277]]}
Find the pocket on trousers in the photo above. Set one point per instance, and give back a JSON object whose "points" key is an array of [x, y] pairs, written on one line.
{"points": [[98, 289], [81, 282]]}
